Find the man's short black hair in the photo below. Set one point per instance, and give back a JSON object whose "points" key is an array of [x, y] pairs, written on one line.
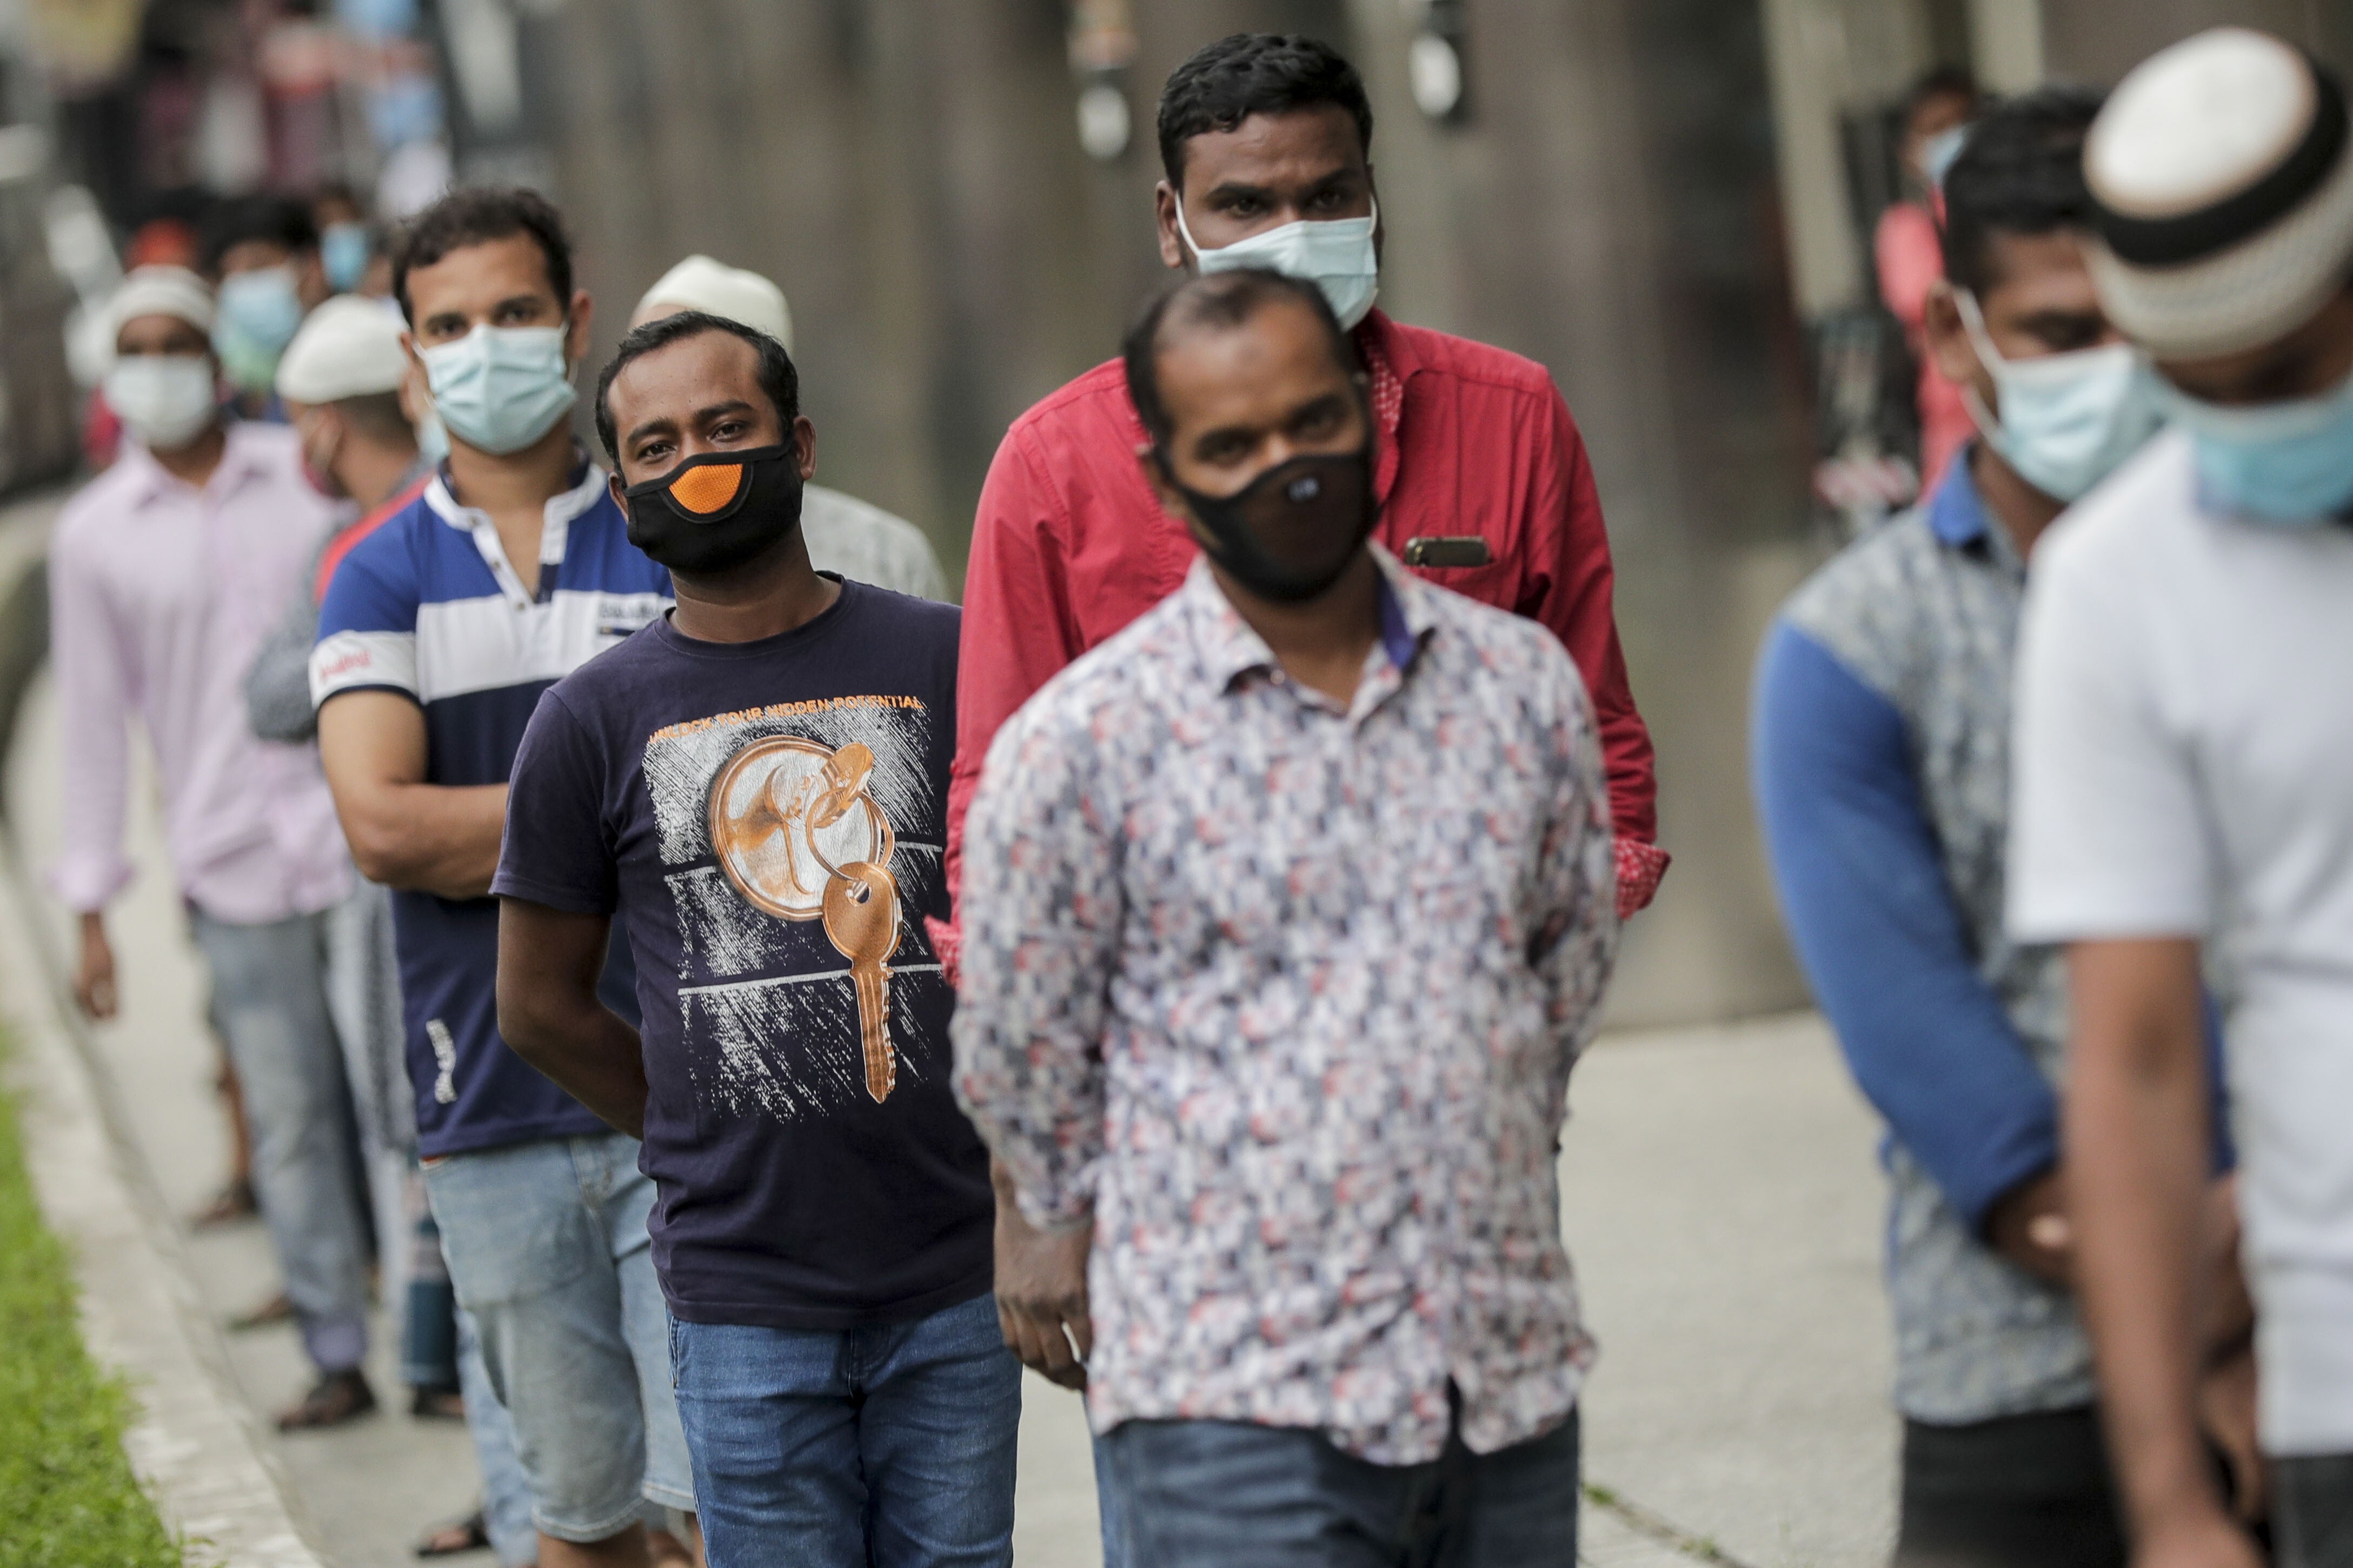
{"points": [[280, 220], [1255, 73], [476, 215], [1935, 82], [1220, 301], [2021, 171], [777, 376]]}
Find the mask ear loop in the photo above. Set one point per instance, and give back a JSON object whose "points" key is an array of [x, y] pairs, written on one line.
{"points": [[1980, 344]]}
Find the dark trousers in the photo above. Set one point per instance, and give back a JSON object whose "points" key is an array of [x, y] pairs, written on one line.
{"points": [[1226, 1494], [2312, 1510], [2022, 1491]]}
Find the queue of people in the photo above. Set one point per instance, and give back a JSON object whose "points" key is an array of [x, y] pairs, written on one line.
{"points": [[747, 1007]]}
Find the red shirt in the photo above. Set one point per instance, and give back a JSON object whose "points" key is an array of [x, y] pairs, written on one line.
{"points": [[1071, 544]]}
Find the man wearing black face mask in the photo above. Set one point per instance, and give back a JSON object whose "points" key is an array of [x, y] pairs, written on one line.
{"points": [[757, 787], [1285, 913]]}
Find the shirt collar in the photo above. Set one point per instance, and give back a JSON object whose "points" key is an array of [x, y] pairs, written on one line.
{"points": [[242, 457], [587, 483], [1957, 513], [1229, 649], [554, 534]]}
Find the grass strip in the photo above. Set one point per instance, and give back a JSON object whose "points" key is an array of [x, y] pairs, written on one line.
{"points": [[67, 1499]]}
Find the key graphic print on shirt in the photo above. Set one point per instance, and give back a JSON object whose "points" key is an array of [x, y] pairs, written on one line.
{"points": [[796, 865]]}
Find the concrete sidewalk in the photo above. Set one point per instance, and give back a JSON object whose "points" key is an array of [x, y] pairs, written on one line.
{"points": [[1722, 1203]]}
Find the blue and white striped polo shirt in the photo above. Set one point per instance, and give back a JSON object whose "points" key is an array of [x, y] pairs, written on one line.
{"points": [[427, 605]]}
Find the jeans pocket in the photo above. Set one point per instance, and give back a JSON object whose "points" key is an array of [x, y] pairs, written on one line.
{"points": [[512, 1224], [677, 1342]]}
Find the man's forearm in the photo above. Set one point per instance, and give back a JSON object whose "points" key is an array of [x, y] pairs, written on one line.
{"points": [[430, 838], [592, 1054], [2135, 1134]]}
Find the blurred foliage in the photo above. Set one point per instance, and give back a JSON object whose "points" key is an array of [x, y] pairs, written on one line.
{"points": [[67, 1499]]}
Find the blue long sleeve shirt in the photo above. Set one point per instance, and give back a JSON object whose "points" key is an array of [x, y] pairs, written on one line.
{"points": [[1880, 753]]}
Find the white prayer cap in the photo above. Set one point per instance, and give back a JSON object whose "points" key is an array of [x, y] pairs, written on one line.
{"points": [[348, 347], [172, 291], [2222, 195], [699, 283]]}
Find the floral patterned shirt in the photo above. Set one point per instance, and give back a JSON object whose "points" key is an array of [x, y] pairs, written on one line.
{"points": [[1287, 992]]}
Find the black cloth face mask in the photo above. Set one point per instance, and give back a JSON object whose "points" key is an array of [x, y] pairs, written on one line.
{"points": [[1290, 532], [717, 511]]}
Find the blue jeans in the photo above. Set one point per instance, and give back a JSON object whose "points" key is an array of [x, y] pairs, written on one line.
{"points": [[890, 1445], [1227, 1494], [547, 1247], [270, 999]]}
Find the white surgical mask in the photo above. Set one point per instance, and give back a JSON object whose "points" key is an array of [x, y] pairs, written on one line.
{"points": [[498, 389], [2067, 420], [166, 400], [1334, 254]]}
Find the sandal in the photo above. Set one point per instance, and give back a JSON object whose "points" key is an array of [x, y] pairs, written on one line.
{"points": [[232, 1203], [472, 1534], [279, 1309], [335, 1398], [436, 1405]]}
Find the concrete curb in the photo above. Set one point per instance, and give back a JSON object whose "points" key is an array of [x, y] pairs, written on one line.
{"points": [[195, 1445]]}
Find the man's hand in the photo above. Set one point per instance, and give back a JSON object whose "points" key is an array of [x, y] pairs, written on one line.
{"points": [[2200, 1538], [2028, 1224], [1041, 1290], [93, 985], [2226, 1414]]}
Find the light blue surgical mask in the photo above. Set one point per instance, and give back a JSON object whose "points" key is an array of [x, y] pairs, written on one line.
{"points": [[258, 315], [2067, 420], [432, 439], [2275, 462], [344, 255], [1937, 152], [1334, 254], [498, 389]]}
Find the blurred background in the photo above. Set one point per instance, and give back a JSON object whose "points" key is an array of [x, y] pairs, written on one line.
{"points": [[1669, 203]]}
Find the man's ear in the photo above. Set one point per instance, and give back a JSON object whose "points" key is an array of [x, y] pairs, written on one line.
{"points": [[804, 439], [1165, 198], [576, 339], [1948, 338], [613, 482]]}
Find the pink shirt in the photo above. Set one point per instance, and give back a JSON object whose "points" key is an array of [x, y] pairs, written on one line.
{"points": [[160, 594], [1910, 258]]}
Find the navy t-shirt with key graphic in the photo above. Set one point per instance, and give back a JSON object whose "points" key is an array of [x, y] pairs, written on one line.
{"points": [[739, 807]]}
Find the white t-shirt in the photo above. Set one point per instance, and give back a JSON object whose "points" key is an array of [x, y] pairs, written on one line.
{"points": [[2184, 767]]}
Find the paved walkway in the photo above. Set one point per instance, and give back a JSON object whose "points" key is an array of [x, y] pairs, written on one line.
{"points": [[1722, 1206]]}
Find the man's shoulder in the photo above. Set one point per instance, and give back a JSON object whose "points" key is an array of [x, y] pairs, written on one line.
{"points": [[1872, 577], [1467, 359], [924, 623], [274, 446], [1136, 669], [90, 509], [1087, 403], [392, 552], [865, 541], [1868, 606], [2142, 517], [1513, 650]]}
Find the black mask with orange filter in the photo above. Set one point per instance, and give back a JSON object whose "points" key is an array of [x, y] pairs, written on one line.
{"points": [[717, 510]]}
